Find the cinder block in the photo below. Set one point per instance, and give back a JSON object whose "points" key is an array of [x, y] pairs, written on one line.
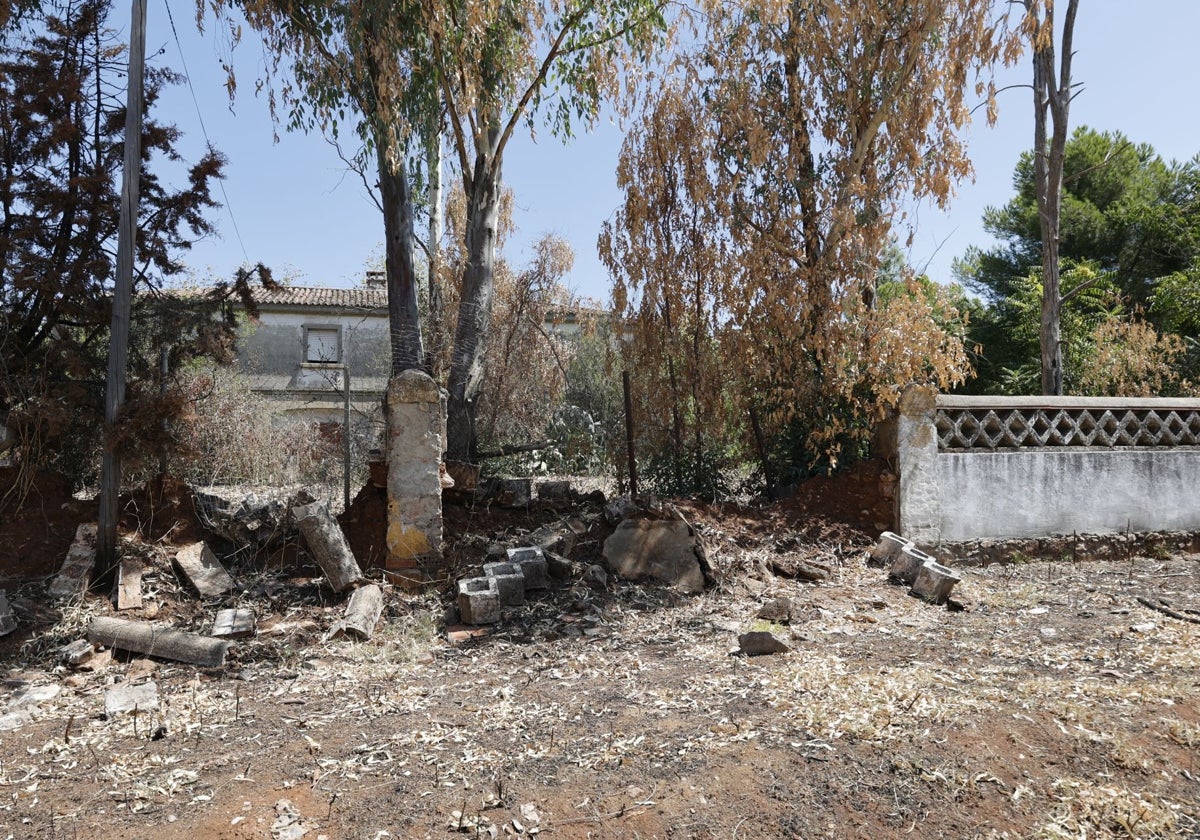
{"points": [[532, 562], [510, 580], [479, 600], [884, 553], [934, 582], [907, 563]]}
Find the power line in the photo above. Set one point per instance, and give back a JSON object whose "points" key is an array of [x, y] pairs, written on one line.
{"points": [[187, 75]]}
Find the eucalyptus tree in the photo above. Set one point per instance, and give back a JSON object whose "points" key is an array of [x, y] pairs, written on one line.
{"points": [[365, 66], [817, 122], [397, 68], [1052, 94]]}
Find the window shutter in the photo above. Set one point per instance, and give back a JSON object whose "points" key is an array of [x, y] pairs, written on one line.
{"points": [[322, 345]]}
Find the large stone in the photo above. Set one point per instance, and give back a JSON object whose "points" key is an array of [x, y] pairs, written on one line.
{"points": [[760, 643], [665, 551]]}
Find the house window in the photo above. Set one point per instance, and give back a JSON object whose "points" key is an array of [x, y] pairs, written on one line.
{"points": [[322, 345]]}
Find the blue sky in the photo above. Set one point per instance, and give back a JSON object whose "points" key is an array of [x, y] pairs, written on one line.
{"points": [[299, 210]]}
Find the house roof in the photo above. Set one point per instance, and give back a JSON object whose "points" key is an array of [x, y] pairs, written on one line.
{"points": [[359, 298]]}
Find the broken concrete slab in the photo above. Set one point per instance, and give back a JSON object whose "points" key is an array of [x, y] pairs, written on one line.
{"points": [[760, 643], [137, 699], [7, 622], [328, 545], [76, 573], [362, 614], [554, 490], [205, 572], [479, 600], [234, 623], [128, 590], [155, 640], [662, 550]]}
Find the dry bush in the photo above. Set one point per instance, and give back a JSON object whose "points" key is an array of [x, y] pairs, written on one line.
{"points": [[1130, 358], [232, 436]]}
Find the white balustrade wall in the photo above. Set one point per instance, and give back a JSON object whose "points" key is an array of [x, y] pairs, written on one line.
{"points": [[1002, 467]]}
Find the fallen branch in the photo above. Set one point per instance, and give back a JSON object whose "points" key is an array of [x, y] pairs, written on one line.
{"points": [[1167, 611], [516, 448]]}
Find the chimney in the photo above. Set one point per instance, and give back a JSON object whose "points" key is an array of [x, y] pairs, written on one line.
{"points": [[375, 280]]}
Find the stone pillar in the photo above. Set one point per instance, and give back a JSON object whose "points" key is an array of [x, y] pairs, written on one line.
{"points": [[416, 423], [919, 504]]}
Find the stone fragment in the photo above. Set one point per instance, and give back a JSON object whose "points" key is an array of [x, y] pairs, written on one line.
{"points": [[618, 509], [131, 698], [777, 610], [760, 643], [596, 577], [479, 600], [76, 572], [76, 652], [362, 614], [662, 550], [510, 582], [7, 622], [934, 581], [559, 567]]}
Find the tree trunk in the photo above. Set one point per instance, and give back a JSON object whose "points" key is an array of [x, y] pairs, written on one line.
{"points": [[1052, 99], [433, 154], [475, 307], [399, 240]]}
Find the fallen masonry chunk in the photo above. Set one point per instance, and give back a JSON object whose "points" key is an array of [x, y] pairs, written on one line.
{"points": [[204, 570], [778, 610], [664, 550], [907, 563], [558, 566], [233, 624], [934, 582], [155, 640], [328, 545], [76, 572], [76, 652], [131, 698], [7, 622], [515, 492], [532, 562], [884, 554], [479, 600], [556, 490], [760, 643], [510, 582], [362, 614]]}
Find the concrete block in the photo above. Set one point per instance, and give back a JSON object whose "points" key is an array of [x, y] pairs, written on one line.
{"points": [[934, 582], [907, 563], [884, 554], [510, 580], [479, 600], [532, 563]]}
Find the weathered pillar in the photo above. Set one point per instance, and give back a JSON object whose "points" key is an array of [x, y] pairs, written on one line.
{"points": [[416, 424], [919, 502]]}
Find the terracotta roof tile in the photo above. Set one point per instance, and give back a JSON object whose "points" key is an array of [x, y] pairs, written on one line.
{"points": [[359, 298]]}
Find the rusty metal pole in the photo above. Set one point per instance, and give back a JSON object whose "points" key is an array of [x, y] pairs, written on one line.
{"points": [[633, 482]]}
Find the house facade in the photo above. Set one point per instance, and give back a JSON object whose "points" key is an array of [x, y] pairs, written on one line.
{"points": [[307, 341]]}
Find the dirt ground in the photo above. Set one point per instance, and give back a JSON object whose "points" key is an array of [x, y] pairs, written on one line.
{"points": [[1056, 705]]}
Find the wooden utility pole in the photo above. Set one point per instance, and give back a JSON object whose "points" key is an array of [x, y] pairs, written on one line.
{"points": [[114, 391]]}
